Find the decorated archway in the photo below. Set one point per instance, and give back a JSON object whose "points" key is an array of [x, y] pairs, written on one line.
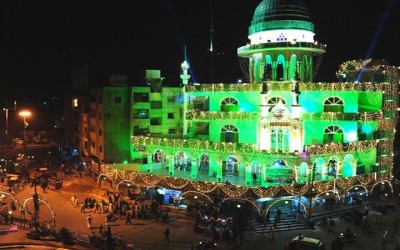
{"points": [[41, 201], [13, 202], [382, 193], [104, 177], [3, 194], [328, 192], [286, 201], [356, 188], [196, 193], [251, 202], [129, 183]]}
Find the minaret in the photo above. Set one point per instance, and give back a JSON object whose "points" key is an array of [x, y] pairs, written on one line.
{"points": [[264, 133], [185, 80], [211, 49]]}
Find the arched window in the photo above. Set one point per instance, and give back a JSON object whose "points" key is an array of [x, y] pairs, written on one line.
{"points": [[182, 161], [158, 156], [279, 72], [230, 166], [275, 100], [279, 140], [333, 104], [229, 104], [229, 133], [204, 162], [333, 134]]}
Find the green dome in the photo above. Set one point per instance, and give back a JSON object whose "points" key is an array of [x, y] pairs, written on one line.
{"points": [[281, 14]]}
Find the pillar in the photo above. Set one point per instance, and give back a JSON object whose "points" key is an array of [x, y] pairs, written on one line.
{"points": [[193, 172], [219, 171], [171, 168], [264, 176], [149, 164], [248, 175]]}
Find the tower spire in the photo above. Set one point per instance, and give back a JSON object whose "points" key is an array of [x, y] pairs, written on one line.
{"points": [[211, 49], [184, 69], [211, 28]]}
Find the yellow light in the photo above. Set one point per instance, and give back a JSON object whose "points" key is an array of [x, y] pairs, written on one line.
{"points": [[25, 113]]}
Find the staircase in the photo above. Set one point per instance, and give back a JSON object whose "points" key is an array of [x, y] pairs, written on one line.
{"points": [[284, 225]]}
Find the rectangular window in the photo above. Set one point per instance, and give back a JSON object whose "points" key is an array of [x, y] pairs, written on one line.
{"points": [[202, 128], [100, 132], [172, 131], [100, 149], [140, 97], [140, 131], [155, 87], [201, 103], [93, 145], [170, 115], [172, 99], [140, 114], [155, 121], [117, 99], [156, 105]]}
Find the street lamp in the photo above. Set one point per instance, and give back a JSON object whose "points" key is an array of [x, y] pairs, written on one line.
{"points": [[34, 232], [6, 110], [309, 212], [25, 114]]}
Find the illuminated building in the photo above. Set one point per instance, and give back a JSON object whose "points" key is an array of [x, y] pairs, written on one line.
{"points": [[279, 133]]}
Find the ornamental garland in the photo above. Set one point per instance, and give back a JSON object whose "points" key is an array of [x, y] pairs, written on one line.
{"points": [[267, 192], [297, 189], [234, 191], [212, 115], [288, 86], [150, 179], [372, 116], [176, 183], [147, 179], [345, 183]]}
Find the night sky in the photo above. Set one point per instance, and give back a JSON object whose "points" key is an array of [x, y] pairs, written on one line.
{"points": [[42, 42]]}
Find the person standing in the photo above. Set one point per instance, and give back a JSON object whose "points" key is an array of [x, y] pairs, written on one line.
{"points": [[166, 235], [329, 222], [366, 210], [83, 208], [89, 221], [383, 243], [106, 220], [271, 233], [128, 219]]}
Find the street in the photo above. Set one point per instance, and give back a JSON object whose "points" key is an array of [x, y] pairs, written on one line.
{"points": [[148, 234]]}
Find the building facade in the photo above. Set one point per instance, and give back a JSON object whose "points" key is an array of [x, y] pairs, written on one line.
{"points": [[279, 134]]}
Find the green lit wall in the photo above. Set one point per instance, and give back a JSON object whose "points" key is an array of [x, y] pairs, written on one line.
{"points": [[313, 101], [116, 129]]}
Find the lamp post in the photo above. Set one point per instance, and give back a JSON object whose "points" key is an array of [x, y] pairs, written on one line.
{"points": [[309, 212], [24, 114], [6, 110], [34, 232]]}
